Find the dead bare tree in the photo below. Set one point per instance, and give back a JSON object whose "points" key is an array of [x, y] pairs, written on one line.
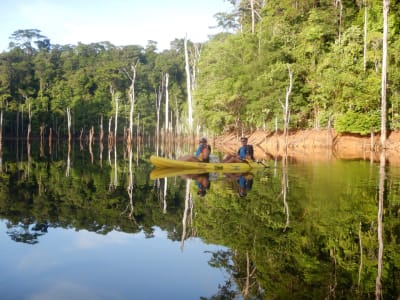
{"points": [[42, 127], [28, 134], [166, 103], [67, 172], [69, 124], [384, 71], [101, 135], [132, 78], [338, 3], [286, 111], [158, 108], [114, 97], [188, 88], [50, 139], [365, 33]]}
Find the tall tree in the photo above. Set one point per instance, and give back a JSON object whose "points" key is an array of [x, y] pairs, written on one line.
{"points": [[384, 71]]}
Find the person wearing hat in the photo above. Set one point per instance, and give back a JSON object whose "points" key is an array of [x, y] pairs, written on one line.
{"points": [[245, 153], [202, 153]]}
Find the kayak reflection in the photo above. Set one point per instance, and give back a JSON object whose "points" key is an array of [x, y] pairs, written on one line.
{"points": [[239, 181]]}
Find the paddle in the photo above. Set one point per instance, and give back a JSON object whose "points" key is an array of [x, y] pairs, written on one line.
{"points": [[257, 161], [260, 162]]}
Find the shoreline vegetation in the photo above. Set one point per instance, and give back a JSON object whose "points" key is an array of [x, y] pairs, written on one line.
{"points": [[314, 145], [306, 145]]}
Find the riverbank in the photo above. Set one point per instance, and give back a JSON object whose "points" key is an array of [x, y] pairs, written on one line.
{"points": [[314, 145]]}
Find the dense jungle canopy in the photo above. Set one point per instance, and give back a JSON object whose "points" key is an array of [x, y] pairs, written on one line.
{"points": [[238, 79]]}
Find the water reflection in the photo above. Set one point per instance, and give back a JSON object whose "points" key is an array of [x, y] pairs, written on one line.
{"points": [[290, 231], [382, 179]]}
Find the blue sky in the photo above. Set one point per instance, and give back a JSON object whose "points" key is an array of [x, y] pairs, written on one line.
{"points": [[121, 22]]}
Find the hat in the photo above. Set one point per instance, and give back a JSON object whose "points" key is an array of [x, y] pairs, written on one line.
{"points": [[243, 138], [203, 140]]}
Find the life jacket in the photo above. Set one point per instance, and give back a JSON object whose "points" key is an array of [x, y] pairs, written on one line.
{"points": [[205, 153], [246, 152]]}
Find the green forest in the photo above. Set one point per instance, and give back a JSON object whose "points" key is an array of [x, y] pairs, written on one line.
{"points": [[322, 58]]}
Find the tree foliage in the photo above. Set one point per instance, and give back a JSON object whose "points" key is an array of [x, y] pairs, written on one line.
{"points": [[239, 79]]}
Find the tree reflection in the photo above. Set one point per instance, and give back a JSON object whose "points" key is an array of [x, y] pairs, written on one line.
{"points": [[382, 177], [27, 232]]}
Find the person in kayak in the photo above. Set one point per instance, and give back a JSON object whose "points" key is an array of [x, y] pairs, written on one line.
{"points": [[245, 153], [202, 153]]}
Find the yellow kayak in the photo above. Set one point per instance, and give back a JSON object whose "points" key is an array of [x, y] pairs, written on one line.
{"points": [[161, 162], [172, 172]]}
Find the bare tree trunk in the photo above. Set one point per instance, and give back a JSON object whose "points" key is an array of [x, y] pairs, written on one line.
{"points": [[42, 127], [28, 134], [189, 89], [365, 34], [115, 97], [158, 108], [131, 102], [339, 2], [69, 124], [116, 120], [286, 112], [110, 134], [252, 16], [101, 137], [67, 172], [384, 71], [80, 140], [137, 139], [166, 104], [50, 139]]}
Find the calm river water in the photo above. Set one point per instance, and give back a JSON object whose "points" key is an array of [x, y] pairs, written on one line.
{"points": [[97, 224]]}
